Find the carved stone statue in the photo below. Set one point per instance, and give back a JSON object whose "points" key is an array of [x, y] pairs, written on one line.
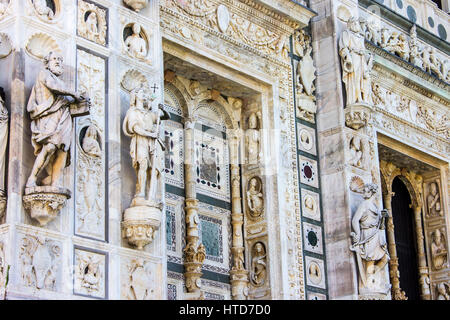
{"points": [[253, 139], [51, 125], [43, 10], [3, 141], [135, 44], [92, 23], [414, 56], [51, 106], [438, 250], [255, 198], [356, 152], [356, 64], [142, 124], [90, 143], [259, 262], [146, 149], [368, 240], [443, 291], [434, 201]]}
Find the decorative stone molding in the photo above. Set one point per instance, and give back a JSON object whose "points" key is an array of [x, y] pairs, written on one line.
{"points": [[136, 5], [40, 44], [357, 116], [45, 203]]}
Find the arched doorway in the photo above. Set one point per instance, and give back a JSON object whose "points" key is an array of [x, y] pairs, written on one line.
{"points": [[405, 242]]}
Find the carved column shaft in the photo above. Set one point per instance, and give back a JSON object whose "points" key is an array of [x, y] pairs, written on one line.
{"points": [[423, 268], [239, 276], [394, 275], [194, 251]]}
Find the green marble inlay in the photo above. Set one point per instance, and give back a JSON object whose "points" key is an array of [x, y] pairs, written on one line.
{"points": [[210, 238]]}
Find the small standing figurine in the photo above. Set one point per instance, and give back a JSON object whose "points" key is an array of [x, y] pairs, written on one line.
{"points": [[258, 274], [253, 139], [255, 198], [92, 23], [433, 201]]}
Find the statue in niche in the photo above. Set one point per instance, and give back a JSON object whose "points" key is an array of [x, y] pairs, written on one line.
{"points": [[368, 240], [356, 64], [356, 152], [135, 44], [51, 125], [142, 124], [443, 291], [89, 273], [3, 6], [434, 201], [43, 10], [3, 141], [438, 250], [255, 198], [258, 273], [253, 139], [92, 23], [90, 143]]}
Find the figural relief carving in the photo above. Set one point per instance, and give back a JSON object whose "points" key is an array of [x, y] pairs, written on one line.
{"points": [[356, 152], [40, 260], [356, 65], [258, 271], [90, 277], [439, 251], [43, 10], [139, 280], [142, 124], [434, 201], [306, 75], [3, 7], [253, 138], [369, 243], [136, 43], [6, 46], [51, 106], [92, 22], [442, 291], [255, 199]]}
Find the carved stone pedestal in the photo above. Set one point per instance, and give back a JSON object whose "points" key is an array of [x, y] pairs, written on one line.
{"points": [[136, 5], [357, 115], [2, 203], [193, 273], [239, 284], [44, 203], [140, 222]]}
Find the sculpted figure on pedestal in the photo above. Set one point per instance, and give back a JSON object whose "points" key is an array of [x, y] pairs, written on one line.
{"points": [[356, 64], [135, 44], [142, 124], [368, 241], [253, 139], [43, 10], [51, 125]]}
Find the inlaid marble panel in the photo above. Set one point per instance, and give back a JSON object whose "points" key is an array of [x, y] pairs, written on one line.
{"points": [[175, 227], [312, 235], [174, 153], [310, 204], [306, 137], [308, 172], [315, 274]]}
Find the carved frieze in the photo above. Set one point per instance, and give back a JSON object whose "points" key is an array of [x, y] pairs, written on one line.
{"points": [[138, 281], [90, 273], [40, 260]]}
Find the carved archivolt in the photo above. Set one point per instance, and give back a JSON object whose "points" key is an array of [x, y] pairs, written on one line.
{"points": [[92, 22]]}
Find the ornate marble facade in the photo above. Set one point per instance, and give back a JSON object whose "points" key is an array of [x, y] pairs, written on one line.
{"points": [[207, 149]]}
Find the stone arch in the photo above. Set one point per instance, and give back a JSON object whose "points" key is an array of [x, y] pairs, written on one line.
{"points": [[174, 98]]}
